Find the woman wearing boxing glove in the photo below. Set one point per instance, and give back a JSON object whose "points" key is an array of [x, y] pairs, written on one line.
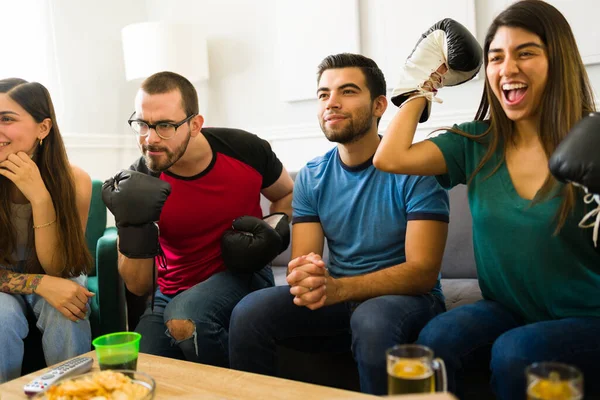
{"points": [[43, 214], [538, 271]]}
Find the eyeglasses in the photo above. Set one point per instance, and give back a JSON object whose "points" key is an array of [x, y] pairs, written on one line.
{"points": [[164, 130]]}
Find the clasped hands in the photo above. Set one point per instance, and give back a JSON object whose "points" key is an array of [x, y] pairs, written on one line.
{"points": [[310, 282]]}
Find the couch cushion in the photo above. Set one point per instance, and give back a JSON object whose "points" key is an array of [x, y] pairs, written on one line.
{"points": [[279, 272], [460, 291]]}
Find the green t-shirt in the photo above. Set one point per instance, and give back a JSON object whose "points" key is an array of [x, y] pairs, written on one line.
{"points": [[520, 263]]}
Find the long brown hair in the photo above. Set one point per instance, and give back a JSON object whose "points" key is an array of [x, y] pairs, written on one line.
{"points": [[51, 159], [566, 99]]}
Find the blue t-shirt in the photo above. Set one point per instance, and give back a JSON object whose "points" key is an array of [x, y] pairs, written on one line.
{"points": [[521, 263], [364, 211]]}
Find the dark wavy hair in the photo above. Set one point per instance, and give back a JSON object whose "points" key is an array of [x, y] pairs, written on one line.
{"points": [[373, 75], [51, 159]]}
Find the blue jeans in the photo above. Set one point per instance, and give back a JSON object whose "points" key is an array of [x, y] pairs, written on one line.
{"points": [[61, 337], [267, 318], [208, 305], [486, 330]]}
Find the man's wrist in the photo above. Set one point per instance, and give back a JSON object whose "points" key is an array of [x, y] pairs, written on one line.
{"points": [[338, 289]]}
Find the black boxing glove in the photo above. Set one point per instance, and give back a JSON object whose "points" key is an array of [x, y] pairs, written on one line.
{"points": [[446, 43], [577, 160], [577, 157], [252, 243], [136, 200]]}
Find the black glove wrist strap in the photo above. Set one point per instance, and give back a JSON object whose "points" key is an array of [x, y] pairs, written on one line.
{"points": [[139, 241]]}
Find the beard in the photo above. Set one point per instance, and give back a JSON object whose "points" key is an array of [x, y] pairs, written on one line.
{"points": [[356, 127], [168, 157]]}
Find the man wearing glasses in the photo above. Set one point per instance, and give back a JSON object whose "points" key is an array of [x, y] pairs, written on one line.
{"points": [[216, 175]]}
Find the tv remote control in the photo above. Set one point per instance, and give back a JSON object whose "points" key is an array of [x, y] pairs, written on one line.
{"points": [[75, 366]]}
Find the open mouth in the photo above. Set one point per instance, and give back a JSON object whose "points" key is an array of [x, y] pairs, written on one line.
{"points": [[514, 93], [4, 144]]}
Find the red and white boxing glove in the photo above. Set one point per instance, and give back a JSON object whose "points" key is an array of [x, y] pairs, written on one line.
{"points": [[446, 55]]}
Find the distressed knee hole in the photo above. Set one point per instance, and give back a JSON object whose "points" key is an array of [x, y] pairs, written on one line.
{"points": [[180, 329]]}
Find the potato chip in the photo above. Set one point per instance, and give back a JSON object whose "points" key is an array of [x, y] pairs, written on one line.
{"points": [[104, 385]]}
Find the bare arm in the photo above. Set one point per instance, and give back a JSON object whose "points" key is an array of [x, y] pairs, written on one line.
{"points": [[24, 173], [17, 283], [397, 153], [137, 274], [280, 194], [425, 242], [65, 295], [83, 192], [308, 237], [46, 238], [306, 267]]}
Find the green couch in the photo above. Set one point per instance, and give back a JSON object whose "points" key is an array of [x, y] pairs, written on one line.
{"points": [[108, 309], [108, 306]]}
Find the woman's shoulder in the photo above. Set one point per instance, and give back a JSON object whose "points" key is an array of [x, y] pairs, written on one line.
{"points": [[462, 134], [82, 180], [473, 127]]}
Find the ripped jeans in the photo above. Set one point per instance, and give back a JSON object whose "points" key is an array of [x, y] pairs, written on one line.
{"points": [[208, 305]]}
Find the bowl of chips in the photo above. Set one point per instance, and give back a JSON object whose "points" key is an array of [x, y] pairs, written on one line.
{"points": [[102, 385]]}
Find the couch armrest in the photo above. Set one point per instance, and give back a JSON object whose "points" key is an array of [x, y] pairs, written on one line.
{"points": [[110, 295]]}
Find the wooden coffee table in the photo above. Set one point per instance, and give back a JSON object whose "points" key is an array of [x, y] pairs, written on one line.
{"points": [[186, 380]]}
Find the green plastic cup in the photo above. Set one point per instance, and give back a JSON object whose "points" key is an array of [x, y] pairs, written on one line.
{"points": [[118, 350]]}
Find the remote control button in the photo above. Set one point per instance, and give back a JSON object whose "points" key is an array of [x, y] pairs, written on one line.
{"points": [[40, 383]]}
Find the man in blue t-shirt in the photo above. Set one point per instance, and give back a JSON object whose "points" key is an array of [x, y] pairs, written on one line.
{"points": [[386, 235]]}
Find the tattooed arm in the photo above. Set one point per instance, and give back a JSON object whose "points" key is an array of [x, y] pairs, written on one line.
{"points": [[65, 295], [16, 283]]}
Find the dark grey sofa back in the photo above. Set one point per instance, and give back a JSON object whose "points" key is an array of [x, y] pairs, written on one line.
{"points": [[459, 261]]}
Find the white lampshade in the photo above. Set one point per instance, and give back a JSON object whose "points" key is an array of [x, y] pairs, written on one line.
{"points": [[151, 47]]}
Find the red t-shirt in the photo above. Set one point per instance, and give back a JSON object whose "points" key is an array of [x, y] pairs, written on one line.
{"points": [[200, 208]]}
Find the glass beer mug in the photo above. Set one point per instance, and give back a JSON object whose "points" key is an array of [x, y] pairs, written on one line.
{"points": [[411, 368], [553, 381]]}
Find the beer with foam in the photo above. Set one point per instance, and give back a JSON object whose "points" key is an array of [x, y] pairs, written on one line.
{"points": [[410, 376], [411, 368]]}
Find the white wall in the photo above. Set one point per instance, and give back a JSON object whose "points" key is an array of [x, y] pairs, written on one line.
{"points": [[96, 99], [243, 89]]}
